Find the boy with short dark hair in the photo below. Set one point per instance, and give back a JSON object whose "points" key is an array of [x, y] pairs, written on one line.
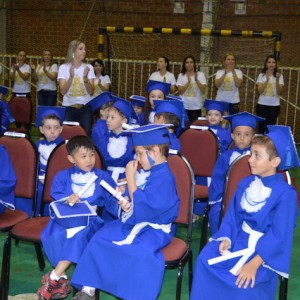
{"points": [[257, 227], [63, 245], [243, 127], [124, 258]]}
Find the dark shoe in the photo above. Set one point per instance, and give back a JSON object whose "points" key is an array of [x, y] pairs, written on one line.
{"points": [[83, 296]]}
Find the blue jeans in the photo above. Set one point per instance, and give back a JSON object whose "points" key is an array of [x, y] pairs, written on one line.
{"points": [[83, 115], [47, 97]]}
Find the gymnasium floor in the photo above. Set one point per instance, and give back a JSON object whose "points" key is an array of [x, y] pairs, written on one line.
{"points": [[25, 275]]}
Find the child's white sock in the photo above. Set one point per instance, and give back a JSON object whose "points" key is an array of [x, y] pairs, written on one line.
{"points": [[53, 276], [89, 290]]}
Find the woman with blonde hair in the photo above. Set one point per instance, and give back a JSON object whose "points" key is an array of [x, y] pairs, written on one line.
{"points": [[76, 83], [228, 82]]}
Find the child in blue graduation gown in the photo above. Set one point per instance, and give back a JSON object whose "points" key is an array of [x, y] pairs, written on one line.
{"points": [[8, 181], [214, 115], [260, 219], [62, 245], [170, 112], [243, 127], [156, 90], [5, 114], [138, 103], [100, 106], [115, 146], [49, 120], [124, 258]]}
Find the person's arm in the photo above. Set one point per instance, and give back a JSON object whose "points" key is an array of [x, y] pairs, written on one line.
{"points": [[183, 88], [246, 274], [219, 81], [130, 171], [238, 81], [105, 86], [261, 84], [25, 76], [200, 85], [65, 84], [88, 83], [51, 75], [279, 86]]}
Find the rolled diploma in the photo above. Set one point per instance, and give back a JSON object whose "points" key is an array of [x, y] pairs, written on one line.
{"points": [[227, 256], [111, 190], [84, 188]]}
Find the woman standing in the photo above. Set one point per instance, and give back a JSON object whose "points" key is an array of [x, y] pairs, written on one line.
{"points": [[191, 85], [45, 75], [20, 75], [102, 81], [269, 84], [228, 82], [76, 83], [163, 73]]}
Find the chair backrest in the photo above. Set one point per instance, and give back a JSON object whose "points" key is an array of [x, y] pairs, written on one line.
{"points": [[70, 131], [58, 161], [200, 123], [21, 110], [185, 183], [201, 149], [24, 159], [238, 170]]}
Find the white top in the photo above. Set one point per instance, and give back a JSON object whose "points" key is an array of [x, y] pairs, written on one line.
{"points": [[192, 97], [104, 80], [169, 77], [228, 91], [43, 81], [269, 96], [21, 86], [77, 93]]}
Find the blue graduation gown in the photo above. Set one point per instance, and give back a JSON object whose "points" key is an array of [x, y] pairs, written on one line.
{"points": [[54, 237], [216, 187], [44, 148], [275, 217], [117, 151], [6, 117], [224, 136], [99, 133], [133, 271], [8, 181]]}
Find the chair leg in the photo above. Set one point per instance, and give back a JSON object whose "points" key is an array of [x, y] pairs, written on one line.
{"points": [[190, 271], [40, 256], [204, 231], [179, 282], [283, 288], [5, 268]]}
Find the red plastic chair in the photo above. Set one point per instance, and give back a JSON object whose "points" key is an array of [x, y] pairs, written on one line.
{"points": [[70, 131], [179, 251], [21, 110], [201, 149], [24, 158]]}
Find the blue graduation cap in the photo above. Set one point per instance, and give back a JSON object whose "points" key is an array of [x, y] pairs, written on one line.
{"points": [[137, 100], [3, 89], [173, 97], [220, 106], [172, 106], [243, 119], [151, 134], [283, 141], [44, 111], [126, 108], [100, 100], [158, 85]]}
